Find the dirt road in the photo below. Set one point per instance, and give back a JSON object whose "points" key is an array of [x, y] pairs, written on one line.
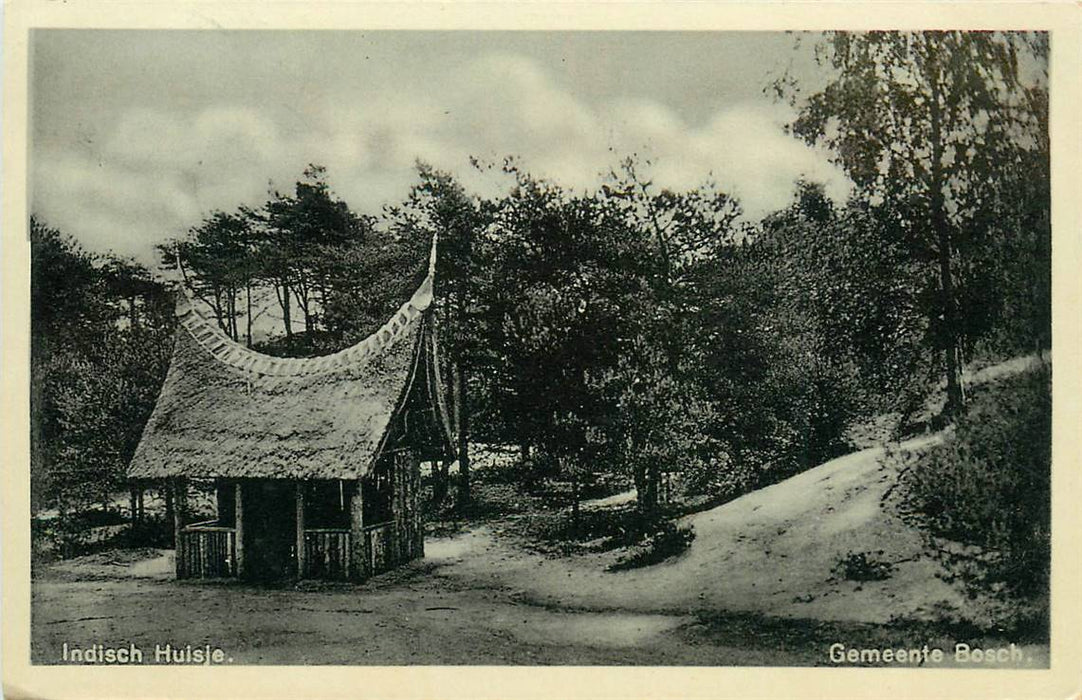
{"points": [[424, 614], [411, 617]]}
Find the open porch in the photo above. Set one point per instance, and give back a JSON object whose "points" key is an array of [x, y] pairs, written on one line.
{"points": [[281, 529]]}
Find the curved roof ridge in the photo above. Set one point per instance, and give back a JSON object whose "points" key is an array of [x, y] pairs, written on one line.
{"points": [[228, 351]]}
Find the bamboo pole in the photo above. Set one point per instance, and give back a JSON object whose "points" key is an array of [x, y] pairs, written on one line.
{"points": [[358, 557], [238, 514], [180, 512]]}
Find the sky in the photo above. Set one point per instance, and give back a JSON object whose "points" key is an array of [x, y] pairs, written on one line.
{"points": [[137, 135]]}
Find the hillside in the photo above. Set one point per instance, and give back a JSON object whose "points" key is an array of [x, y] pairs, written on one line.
{"points": [[776, 551], [772, 551]]}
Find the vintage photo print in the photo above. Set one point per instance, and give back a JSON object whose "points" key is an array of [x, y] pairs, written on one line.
{"points": [[406, 343]]}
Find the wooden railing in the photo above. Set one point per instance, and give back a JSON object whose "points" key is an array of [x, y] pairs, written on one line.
{"points": [[326, 553], [206, 550]]}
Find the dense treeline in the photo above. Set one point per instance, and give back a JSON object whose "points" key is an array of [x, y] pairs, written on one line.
{"points": [[101, 331], [634, 331]]}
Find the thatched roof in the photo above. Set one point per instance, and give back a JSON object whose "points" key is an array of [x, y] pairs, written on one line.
{"points": [[227, 411]]}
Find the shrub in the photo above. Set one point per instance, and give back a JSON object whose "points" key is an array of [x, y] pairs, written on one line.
{"points": [[666, 541], [988, 485], [863, 566]]}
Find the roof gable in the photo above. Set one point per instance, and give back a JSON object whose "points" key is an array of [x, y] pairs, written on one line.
{"points": [[227, 411]]}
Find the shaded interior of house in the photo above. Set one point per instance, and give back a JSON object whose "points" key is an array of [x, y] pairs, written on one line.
{"points": [[277, 529]]}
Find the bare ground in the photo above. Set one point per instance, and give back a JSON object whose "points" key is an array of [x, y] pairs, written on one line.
{"points": [[415, 616]]}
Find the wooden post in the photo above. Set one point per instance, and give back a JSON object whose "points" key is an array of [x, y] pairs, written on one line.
{"points": [[170, 511], [399, 530], [301, 558], [238, 526], [358, 556], [142, 509], [180, 514], [222, 498], [416, 522]]}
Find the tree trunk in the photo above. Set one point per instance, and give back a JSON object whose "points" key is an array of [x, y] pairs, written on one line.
{"points": [[303, 296], [220, 314], [440, 472], [463, 414], [650, 498], [285, 314], [248, 314], [641, 489], [575, 500], [233, 313], [949, 335]]}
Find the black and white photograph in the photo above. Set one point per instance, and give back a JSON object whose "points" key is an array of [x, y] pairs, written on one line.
{"points": [[415, 347]]}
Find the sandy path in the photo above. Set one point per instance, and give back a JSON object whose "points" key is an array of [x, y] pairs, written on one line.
{"points": [[411, 618]]}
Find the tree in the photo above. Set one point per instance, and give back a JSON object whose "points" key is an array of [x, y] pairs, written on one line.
{"points": [[308, 246], [573, 296], [305, 231], [845, 271], [438, 205], [100, 344], [685, 230], [218, 262], [659, 425], [924, 124]]}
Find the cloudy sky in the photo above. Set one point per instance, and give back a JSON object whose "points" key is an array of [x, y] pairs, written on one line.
{"points": [[136, 135]]}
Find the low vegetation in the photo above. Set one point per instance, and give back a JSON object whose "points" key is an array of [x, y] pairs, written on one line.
{"points": [[665, 541], [863, 566], [984, 495]]}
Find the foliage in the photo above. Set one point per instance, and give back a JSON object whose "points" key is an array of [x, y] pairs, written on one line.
{"points": [[863, 566], [220, 256], [303, 248], [94, 531], [667, 541], [633, 334], [573, 292], [988, 486], [438, 208], [100, 338], [928, 125]]}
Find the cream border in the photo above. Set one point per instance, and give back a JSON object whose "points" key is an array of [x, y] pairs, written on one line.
{"points": [[1063, 680]]}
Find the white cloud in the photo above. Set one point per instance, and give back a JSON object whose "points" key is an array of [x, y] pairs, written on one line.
{"points": [[156, 174], [755, 159]]}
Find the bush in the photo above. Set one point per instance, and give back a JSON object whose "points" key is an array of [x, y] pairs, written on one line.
{"points": [[863, 566], [989, 486], [75, 535], [666, 541]]}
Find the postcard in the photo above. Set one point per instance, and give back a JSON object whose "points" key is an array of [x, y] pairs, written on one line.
{"points": [[541, 350]]}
